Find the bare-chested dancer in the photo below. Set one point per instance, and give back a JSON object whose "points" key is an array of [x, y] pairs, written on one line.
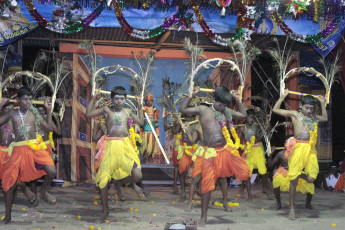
{"points": [[195, 137], [176, 131], [47, 136], [255, 155], [6, 135], [281, 182], [304, 156], [28, 159], [99, 135], [120, 160], [219, 159]]}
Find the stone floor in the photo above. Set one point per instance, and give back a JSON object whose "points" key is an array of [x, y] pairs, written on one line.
{"points": [[79, 207]]}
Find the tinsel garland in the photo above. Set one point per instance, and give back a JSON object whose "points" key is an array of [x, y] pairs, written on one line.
{"points": [[74, 28], [306, 38], [147, 34]]}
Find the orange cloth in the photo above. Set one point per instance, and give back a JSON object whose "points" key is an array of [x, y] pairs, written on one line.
{"points": [[281, 170], [3, 159], [197, 167], [224, 164], [21, 166], [174, 157], [289, 146], [339, 186], [185, 161]]}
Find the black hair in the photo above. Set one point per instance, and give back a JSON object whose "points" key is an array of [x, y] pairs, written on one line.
{"points": [[222, 94], [250, 112], [308, 100], [118, 90], [24, 91]]}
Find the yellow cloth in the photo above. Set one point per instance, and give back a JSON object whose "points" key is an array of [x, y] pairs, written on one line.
{"points": [[118, 161], [179, 148], [256, 159], [19, 143], [149, 144], [303, 157], [283, 182]]}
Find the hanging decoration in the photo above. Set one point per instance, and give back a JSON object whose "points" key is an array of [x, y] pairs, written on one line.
{"points": [[223, 4], [306, 38], [175, 19], [246, 20], [64, 20], [297, 6], [219, 40]]}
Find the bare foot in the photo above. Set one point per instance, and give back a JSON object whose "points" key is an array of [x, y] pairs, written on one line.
{"points": [[278, 207], [176, 192], [7, 220], [226, 207], [202, 221], [30, 195], [122, 196], [49, 198], [309, 206], [189, 207], [292, 214], [103, 216], [250, 198], [34, 204], [182, 197]]}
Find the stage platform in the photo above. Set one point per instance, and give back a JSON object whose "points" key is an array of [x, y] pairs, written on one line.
{"points": [[79, 208]]}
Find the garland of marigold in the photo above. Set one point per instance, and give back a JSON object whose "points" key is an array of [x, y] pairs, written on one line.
{"points": [[250, 145], [185, 146], [134, 137], [235, 146], [37, 146], [313, 136], [51, 140]]}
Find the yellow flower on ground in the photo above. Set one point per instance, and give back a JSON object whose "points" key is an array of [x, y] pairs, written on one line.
{"points": [[137, 209], [152, 201], [23, 209], [131, 209], [95, 203], [107, 221], [333, 225], [3, 217], [154, 214], [79, 217], [92, 227], [96, 197], [173, 202], [262, 209]]}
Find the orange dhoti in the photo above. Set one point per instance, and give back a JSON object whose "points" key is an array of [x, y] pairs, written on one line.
{"points": [[197, 161], [25, 164], [3, 159], [177, 149], [185, 161], [221, 162]]}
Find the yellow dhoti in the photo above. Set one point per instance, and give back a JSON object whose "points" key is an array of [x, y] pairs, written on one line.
{"points": [[149, 146], [303, 157], [256, 159], [118, 161], [281, 180]]}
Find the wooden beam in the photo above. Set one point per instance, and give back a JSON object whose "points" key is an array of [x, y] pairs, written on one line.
{"points": [[162, 40]]}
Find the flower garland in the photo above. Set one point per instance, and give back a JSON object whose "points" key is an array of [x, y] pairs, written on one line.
{"points": [[250, 145], [235, 146], [39, 145], [8, 130], [134, 137], [185, 146], [75, 27], [181, 15], [51, 140], [313, 136], [306, 38]]}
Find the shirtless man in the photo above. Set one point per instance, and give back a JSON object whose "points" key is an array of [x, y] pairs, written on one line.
{"points": [[6, 135], [219, 159], [28, 156], [31, 192], [304, 156], [176, 131], [195, 137], [99, 135], [281, 182], [120, 159], [185, 156], [255, 155]]}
